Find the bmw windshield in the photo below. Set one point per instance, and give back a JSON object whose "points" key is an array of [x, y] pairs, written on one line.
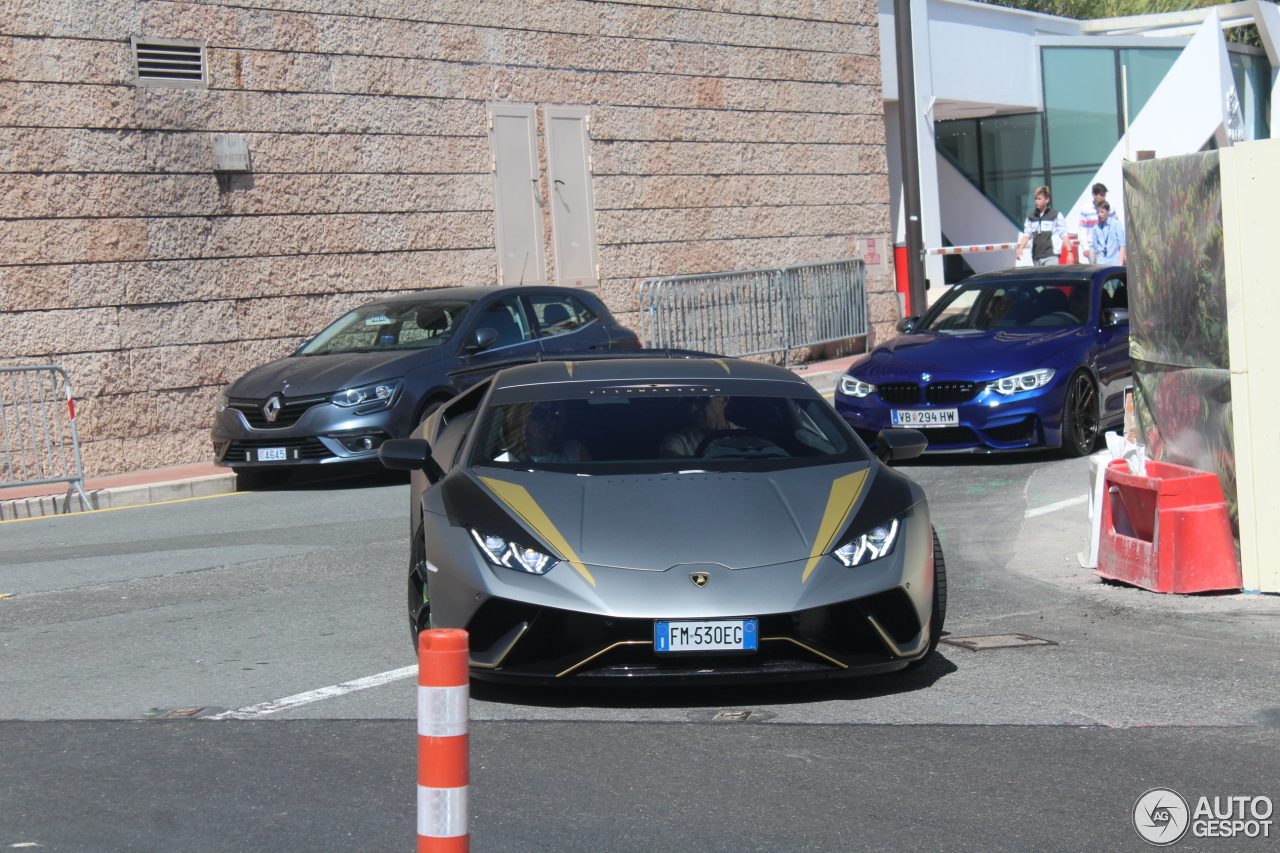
{"points": [[1013, 305], [396, 326], [611, 431]]}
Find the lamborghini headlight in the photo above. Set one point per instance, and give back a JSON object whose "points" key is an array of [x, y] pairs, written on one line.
{"points": [[1029, 381], [851, 387], [512, 555], [875, 543]]}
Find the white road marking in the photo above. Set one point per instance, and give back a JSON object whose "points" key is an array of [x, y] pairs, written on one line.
{"points": [[1045, 510], [333, 691]]}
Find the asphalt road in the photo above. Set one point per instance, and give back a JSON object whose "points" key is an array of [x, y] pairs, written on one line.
{"points": [[117, 617]]}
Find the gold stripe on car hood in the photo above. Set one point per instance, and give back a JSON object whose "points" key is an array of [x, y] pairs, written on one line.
{"points": [[844, 494], [522, 504]]}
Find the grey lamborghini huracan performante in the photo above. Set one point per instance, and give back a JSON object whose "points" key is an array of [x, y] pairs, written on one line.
{"points": [[687, 519]]}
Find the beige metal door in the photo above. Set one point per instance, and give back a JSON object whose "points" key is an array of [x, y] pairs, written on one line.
{"points": [[517, 195], [573, 211]]}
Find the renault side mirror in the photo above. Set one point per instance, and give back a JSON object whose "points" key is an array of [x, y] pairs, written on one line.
{"points": [[1115, 317], [300, 347], [409, 454], [906, 324], [483, 339], [893, 445]]}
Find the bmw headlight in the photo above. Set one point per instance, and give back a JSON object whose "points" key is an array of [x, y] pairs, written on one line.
{"points": [[851, 387], [377, 393], [872, 545], [1029, 381], [512, 555]]}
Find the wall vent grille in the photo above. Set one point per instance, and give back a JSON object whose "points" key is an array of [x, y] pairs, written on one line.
{"points": [[170, 63]]}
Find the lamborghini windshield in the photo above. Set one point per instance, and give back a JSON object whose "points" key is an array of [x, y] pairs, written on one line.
{"points": [[399, 325], [714, 432], [1012, 305]]}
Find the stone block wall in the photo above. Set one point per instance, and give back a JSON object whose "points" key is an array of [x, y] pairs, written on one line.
{"points": [[725, 135]]}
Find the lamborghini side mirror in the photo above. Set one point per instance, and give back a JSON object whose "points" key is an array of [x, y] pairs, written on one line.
{"points": [[893, 445], [410, 454]]}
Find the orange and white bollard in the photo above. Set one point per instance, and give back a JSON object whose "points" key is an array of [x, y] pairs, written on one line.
{"points": [[444, 764]]}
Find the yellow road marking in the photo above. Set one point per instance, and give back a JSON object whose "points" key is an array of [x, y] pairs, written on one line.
{"points": [[114, 508]]}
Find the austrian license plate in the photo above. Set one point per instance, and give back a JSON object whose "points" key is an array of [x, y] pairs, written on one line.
{"points": [[708, 635], [271, 454], [926, 417]]}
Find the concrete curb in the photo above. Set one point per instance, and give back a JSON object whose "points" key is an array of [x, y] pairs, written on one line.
{"points": [[121, 496]]}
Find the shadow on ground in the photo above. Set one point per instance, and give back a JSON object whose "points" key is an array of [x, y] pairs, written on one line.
{"points": [[721, 696]]}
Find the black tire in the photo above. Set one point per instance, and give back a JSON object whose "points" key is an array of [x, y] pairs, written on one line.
{"points": [[430, 408], [419, 605], [1079, 416], [939, 603]]}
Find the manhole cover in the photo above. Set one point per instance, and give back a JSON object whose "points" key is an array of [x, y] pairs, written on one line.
{"points": [[731, 716], [180, 712], [997, 641]]}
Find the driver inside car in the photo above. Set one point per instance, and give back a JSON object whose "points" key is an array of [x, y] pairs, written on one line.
{"points": [[706, 416]]}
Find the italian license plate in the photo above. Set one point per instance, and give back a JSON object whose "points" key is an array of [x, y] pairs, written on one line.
{"points": [[271, 454], [708, 635], [926, 417]]}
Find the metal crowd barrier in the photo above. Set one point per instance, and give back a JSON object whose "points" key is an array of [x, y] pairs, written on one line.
{"points": [[38, 439], [756, 312]]}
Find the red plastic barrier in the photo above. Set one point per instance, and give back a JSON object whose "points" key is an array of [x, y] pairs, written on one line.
{"points": [[1168, 531], [1070, 253], [444, 765]]}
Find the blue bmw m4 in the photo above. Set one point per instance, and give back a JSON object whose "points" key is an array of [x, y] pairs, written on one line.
{"points": [[1018, 359]]}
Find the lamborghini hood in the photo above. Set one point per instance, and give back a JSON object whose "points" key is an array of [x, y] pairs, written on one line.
{"points": [[655, 522]]}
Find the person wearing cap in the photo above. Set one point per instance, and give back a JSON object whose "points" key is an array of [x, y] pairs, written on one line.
{"points": [[1108, 243], [1045, 229]]}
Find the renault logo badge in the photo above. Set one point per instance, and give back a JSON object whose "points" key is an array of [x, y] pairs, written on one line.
{"points": [[271, 409], [699, 579]]}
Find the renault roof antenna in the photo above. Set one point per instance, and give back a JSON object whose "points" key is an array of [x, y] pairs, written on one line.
{"points": [[522, 268]]}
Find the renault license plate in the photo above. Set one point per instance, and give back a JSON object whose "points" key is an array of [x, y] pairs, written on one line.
{"points": [[706, 635], [926, 417], [271, 454]]}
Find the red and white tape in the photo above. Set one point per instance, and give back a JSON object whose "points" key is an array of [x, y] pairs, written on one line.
{"points": [[961, 250], [444, 765]]}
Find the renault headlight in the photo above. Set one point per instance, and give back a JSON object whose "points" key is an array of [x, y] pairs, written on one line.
{"points": [[875, 543], [379, 392], [512, 555], [851, 387], [223, 401], [1029, 381]]}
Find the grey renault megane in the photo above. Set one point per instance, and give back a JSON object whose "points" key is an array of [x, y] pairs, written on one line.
{"points": [[378, 371]]}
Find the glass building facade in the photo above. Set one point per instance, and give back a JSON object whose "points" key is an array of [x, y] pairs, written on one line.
{"points": [[1007, 157]]}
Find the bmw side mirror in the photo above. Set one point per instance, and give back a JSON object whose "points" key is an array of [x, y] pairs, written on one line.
{"points": [[1115, 317], [893, 445], [906, 324], [409, 454], [484, 339]]}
